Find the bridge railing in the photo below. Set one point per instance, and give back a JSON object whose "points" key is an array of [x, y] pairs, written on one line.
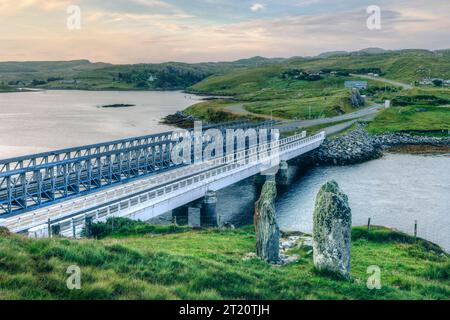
{"points": [[31, 161], [40, 180], [122, 198]]}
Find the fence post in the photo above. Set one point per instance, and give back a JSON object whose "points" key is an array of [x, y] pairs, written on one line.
{"points": [[87, 224], [368, 229], [415, 229], [49, 228], [74, 233]]}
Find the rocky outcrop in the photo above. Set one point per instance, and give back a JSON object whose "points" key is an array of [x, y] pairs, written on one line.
{"points": [[354, 147], [397, 139], [358, 146], [356, 99], [180, 119], [332, 230], [267, 230]]}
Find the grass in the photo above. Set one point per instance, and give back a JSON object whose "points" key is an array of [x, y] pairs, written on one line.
{"points": [[403, 65], [212, 264], [203, 109], [283, 98], [304, 108], [264, 91], [316, 129], [411, 118]]}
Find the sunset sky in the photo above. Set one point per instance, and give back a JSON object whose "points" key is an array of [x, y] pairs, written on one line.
{"points": [[131, 31]]}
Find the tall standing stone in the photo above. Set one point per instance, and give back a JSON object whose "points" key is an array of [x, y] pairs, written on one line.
{"points": [[332, 230], [267, 230]]}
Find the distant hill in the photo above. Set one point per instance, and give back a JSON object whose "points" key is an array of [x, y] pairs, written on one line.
{"points": [[82, 74], [403, 65], [330, 54]]}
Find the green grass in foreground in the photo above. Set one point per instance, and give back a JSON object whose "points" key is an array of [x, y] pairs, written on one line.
{"points": [[211, 264], [411, 118]]}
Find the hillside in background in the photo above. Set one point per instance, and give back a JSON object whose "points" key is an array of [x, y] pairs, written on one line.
{"points": [[84, 75], [220, 77], [404, 65], [306, 88]]}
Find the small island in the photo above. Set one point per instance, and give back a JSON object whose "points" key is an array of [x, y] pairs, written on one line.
{"points": [[119, 105]]}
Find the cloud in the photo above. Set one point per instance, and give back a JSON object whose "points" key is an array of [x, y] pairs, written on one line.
{"points": [[119, 33], [256, 7], [16, 6]]}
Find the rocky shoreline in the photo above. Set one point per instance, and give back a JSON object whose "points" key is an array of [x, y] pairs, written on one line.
{"points": [[180, 120], [358, 146]]}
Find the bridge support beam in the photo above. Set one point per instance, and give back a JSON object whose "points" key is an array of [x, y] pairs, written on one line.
{"points": [[259, 179], [180, 215], [282, 177], [194, 217], [209, 212]]}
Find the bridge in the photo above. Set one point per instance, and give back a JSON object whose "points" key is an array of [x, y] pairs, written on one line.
{"points": [[134, 178]]}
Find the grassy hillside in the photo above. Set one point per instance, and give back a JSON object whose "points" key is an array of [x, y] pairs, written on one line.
{"points": [[26, 72], [82, 74], [411, 118], [213, 264], [264, 91], [273, 90], [405, 65]]}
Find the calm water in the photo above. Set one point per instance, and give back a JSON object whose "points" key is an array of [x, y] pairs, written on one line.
{"points": [[33, 122], [393, 191]]}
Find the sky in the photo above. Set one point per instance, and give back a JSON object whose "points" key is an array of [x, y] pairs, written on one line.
{"points": [[152, 31]]}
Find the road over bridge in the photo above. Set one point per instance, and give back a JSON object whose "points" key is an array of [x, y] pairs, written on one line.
{"points": [[134, 178]]}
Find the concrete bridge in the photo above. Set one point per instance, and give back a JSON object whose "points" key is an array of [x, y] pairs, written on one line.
{"points": [[61, 191]]}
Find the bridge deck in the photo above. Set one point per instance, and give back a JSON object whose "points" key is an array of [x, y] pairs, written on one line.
{"points": [[151, 196], [32, 182]]}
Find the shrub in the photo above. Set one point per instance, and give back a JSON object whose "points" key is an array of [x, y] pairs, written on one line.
{"points": [[126, 227]]}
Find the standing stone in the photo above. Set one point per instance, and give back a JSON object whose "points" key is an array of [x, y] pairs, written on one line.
{"points": [[332, 230], [267, 230]]}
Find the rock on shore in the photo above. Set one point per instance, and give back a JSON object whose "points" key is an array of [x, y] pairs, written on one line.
{"points": [[358, 146], [180, 119]]}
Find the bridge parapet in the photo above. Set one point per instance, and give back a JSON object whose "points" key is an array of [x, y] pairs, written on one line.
{"points": [[151, 200], [31, 182]]}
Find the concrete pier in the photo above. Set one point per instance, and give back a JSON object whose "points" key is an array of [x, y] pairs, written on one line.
{"points": [[194, 217], [209, 212], [282, 177]]}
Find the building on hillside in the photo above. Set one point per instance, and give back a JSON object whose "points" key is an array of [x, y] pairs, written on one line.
{"points": [[356, 84]]}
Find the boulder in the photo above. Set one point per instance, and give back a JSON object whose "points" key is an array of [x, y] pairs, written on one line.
{"points": [[267, 230], [356, 99], [332, 230]]}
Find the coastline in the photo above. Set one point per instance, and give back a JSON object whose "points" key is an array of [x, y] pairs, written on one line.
{"points": [[419, 149], [358, 146]]}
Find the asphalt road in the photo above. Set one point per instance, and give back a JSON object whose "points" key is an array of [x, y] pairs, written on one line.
{"points": [[393, 82], [365, 114]]}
